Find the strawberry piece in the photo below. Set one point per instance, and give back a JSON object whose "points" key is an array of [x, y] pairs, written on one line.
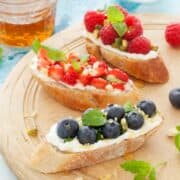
{"points": [[119, 74], [135, 28], [56, 72], [92, 19], [72, 56], [70, 76], [139, 45], [108, 34], [102, 69], [85, 79], [123, 10], [92, 60], [119, 86], [172, 34], [99, 83], [43, 59]]}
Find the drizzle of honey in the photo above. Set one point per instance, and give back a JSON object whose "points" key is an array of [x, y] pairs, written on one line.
{"points": [[22, 35]]}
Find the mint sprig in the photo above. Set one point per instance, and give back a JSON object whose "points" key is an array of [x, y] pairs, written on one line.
{"points": [[76, 65], [120, 28], [53, 54], [1, 53], [128, 107], [114, 14], [177, 138], [93, 117], [142, 170]]}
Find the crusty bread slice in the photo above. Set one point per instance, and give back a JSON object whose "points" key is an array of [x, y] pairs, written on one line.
{"points": [[83, 99], [152, 70], [48, 159]]}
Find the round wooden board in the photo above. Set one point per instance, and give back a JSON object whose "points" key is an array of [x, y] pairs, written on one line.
{"points": [[24, 105]]}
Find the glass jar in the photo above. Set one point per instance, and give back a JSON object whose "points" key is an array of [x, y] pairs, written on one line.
{"points": [[21, 21]]}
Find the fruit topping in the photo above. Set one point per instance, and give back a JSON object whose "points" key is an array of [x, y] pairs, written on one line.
{"points": [[115, 112], [108, 34], [134, 120], [99, 83], [148, 107], [134, 27], [111, 130], [119, 74], [139, 45], [87, 135], [70, 77], [172, 34], [174, 97], [93, 19], [67, 128], [56, 72], [119, 86]]}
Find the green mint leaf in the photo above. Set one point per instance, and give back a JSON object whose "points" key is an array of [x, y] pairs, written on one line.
{"points": [[120, 28], [36, 45], [76, 65], [152, 174], [1, 53], [84, 58], [178, 128], [93, 117], [140, 177], [177, 141], [114, 14], [112, 78], [117, 43], [128, 107], [68, 139], [53, 54], [136, 167]]}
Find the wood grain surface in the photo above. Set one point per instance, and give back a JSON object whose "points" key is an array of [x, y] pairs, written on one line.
{"points": [[25, 105]]}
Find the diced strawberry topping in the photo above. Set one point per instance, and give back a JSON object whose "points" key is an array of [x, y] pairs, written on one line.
{"points": [[85, 79], [92, 59], [99, 83], [56, 72], [119, 86], [102, 69], [72, 56], [92, 19], [119, 74]]}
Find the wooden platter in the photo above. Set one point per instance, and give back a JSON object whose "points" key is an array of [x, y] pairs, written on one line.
{"points": [[24, 105]]}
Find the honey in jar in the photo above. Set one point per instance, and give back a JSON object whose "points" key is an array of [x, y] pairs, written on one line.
{"points": [[22, 21]]}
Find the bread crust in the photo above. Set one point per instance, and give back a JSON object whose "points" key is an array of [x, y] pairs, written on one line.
{"points": [[83, 99], [48, 159], [152, 70]]}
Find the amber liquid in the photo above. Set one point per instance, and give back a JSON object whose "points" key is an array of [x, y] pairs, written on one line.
{"points": [[23, 34]]}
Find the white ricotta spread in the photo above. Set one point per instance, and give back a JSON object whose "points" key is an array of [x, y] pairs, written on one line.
{"points": [[75, 146], [127, 87], [150, 55]]}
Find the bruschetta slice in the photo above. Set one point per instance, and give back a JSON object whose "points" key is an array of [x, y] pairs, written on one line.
{"points": [[80, 82], [97, 136], [117, 37]]}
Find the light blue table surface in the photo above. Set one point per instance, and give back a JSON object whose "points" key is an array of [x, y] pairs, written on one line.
{"points": [[69, 12]]}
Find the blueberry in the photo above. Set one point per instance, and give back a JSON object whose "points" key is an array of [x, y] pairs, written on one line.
{"points": [[174, 97], [114, 112], [67, 128], [148, 107], [111, 130], [134, 120], [87, 135]]}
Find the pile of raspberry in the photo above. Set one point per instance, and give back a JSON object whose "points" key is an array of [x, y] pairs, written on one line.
{"points": [[132, 41]]}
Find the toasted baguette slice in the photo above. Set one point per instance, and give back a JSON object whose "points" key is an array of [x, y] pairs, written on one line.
{"points": [[152, 70], [83, 99], [48, 159]]}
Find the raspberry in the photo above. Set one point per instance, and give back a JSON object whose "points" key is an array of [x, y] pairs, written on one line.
{"points": [[70, 77], [134, 27], [139, 45], [93, 18], [172, 34], [124, 11], [108, 34]]}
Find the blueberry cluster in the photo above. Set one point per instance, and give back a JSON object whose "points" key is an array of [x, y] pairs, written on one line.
{"points": [[112, 128]]}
